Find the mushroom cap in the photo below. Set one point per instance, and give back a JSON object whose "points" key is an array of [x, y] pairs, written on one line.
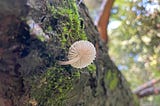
{"points": [[82, 52]]}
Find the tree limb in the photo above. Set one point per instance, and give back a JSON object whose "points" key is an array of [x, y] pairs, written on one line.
{"points": [[147, 88], [103, 19], [146, 85], [148, 92]]}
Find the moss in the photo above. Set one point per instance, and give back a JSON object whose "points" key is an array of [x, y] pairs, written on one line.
{"points": [[52, 87], [111, 79], [49, 29], [91, 68], [69, 23]]}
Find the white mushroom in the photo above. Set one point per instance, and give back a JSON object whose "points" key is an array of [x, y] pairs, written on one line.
{"points": [[81, 54]]}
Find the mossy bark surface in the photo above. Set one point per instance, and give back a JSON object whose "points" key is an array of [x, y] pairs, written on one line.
{"points": [[29, 71]]}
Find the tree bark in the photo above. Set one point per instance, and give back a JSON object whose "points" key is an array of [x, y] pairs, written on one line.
{"points": [[35, 35]]}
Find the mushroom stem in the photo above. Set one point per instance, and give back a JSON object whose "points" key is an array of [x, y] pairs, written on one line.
{"points": [[69, 61]]}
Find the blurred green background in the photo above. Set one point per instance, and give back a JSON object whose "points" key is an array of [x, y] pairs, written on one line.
{"points": [[134, 40]]}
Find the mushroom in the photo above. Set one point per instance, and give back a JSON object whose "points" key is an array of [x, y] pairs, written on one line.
{"points": [[81, 54]]}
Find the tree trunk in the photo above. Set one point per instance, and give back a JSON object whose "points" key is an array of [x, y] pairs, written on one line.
{"points": [[34, 36]]}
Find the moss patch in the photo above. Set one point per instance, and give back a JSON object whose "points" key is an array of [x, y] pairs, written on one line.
{"points": [[68, 23], [52, 87], [65, 26], [91, 68]]}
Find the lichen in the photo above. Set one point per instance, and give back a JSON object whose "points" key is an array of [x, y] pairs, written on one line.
{"points": [[111, 79], [108, 75], [113, 82]]}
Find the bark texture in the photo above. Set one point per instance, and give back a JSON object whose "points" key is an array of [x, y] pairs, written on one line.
{"points": [[29, 73]]}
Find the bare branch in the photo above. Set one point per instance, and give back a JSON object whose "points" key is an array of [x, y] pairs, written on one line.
{"points": [[146, 85], [103, 19], [147, 88], [148, 92]]}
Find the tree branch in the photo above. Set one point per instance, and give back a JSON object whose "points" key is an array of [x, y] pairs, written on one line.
{"points": [[147, 88], [148, 92], [146, 85], [103, 19]]}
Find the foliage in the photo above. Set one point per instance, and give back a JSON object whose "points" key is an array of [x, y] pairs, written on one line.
{"points": [[135, 44], [134, 39]]}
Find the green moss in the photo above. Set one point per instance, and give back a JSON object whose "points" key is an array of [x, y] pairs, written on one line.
{"points": [[91, 68], [69, 23], [76, 74], [41, 38], [111, 79], [49, 28], [52, 87]]}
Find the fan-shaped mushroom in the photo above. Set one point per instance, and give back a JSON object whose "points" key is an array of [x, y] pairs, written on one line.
{"points": [[81, 54]]}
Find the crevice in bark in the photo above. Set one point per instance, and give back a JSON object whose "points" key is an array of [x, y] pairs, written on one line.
{"points": [[93, 84], [103, 86]]}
